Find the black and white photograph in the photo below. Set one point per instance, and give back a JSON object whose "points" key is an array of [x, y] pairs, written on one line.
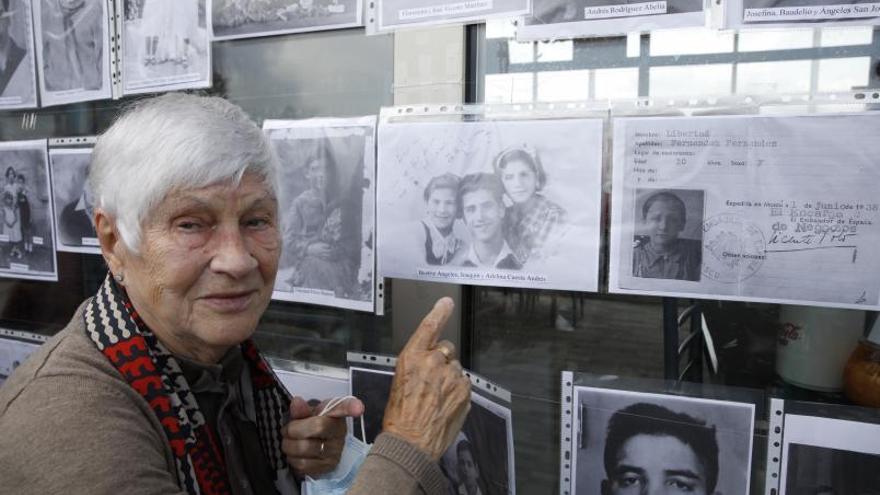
{"points": [[668, 240], [394, 14], [73, 50], [828, 456], [18, 76], [479, 462], [234, 19], [747, 208], [166, 45], [627, 442], [738, 13], [328, 210], [557, 19], [27, 247], [73, 203], [504, 203]]}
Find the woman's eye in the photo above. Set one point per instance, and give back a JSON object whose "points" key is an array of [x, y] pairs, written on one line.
{"points": [[190, 226], [258, 223]]}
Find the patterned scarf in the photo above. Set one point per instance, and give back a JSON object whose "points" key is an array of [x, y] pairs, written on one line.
{"points": [[120, 334]]}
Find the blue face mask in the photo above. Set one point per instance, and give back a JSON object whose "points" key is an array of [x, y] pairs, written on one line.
{"points": [[339, 481]]}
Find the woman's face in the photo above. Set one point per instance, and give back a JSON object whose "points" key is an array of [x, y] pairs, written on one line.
{"points": [[520, 181], [10, 175], [206, 266], [442, 207]]}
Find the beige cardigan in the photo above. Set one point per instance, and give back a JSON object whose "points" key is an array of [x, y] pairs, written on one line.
{"points": [[70, 424]]}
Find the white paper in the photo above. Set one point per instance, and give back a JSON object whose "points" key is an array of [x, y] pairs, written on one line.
{"points": [[73, 50], [560, 19], [505, 233], [395, 14], [312, 387], [327, 209], [165, 45], [651, 441], [72, 206], [25, 212], [838, 456], [777, 209], [488, 430], [18, 77], [234, 19], [776, 13], [12, 354]]}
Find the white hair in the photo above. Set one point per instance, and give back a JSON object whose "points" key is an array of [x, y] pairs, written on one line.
{"points": [[174, 141]]}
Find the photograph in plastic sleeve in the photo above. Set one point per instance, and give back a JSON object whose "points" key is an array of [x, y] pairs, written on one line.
{"points": [[825, 456], [73, 50], [503, 203], [27, 248], [479, 461], [18, 76], [626, 442], [13, 353], [165, 45], [73, 203], [739, 13], [312, 387], [754, 208], [557, 19], [234, 19], [328, 211], [394, 14]]}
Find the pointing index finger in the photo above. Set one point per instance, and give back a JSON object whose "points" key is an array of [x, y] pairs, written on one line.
{"points": [[425, 337]]}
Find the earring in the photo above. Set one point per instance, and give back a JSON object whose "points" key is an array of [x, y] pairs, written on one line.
{"points": [[119, 277]]}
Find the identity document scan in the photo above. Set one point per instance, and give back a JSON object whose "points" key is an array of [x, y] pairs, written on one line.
{"points": [[757, 208]]}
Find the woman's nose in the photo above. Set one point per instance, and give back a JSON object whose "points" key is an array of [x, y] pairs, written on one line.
{"points": [[232, 255]]}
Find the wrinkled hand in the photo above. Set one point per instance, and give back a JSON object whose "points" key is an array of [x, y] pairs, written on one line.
{"points": [[306, 432], [430, 396]]}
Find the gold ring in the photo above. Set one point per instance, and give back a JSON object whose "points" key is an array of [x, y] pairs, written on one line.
{"points": [[446, 352]]}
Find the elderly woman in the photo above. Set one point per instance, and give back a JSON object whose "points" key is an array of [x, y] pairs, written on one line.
{"points": [[155, 386]]}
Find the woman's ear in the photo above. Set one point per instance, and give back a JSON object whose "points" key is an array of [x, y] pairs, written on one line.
{"points": [[112, 247]]}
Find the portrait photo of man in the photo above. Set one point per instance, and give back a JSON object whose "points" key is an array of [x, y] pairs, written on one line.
{"points": [[72, 44], [73, 203], [481, 202], [17, 88], [649, 446], [668, 240], [633, 443]]}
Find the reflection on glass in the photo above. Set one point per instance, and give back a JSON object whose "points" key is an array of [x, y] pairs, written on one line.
{"points": [[764, 77], [760, 40], [521, 53], [556, 51], [690, 80], [564, 85], [633, 45], [500, 28], [843, 74], [690, 41], [509, 88], [616, 83], [846, 36]]}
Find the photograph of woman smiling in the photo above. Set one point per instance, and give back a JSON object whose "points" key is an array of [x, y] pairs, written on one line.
{"points": [[531, 218]]}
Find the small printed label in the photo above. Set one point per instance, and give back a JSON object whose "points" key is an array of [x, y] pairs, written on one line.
{"points": [[336, 9], [812, 12], [629, 10], [4, 238], [38, 241], [90, 241], [18, 267], [448, 9]]}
